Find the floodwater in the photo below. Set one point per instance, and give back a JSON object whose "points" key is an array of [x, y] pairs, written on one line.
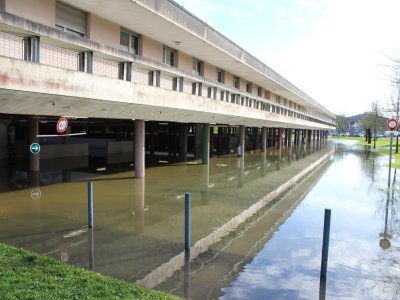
{"points": [[239, 250]]}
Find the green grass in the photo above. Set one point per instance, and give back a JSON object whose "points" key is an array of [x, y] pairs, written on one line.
{"points": [[26, 275], [382, 147]]}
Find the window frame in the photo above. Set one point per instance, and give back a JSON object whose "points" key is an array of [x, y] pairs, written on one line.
{"points": [[132, 37], [222, 79], [198, 67], [236, 82], [173, 56]]}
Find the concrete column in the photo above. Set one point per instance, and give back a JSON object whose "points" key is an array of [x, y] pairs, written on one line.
{"points": [[183, 142], [198, 138], [279, 141], [241, 171], [211, 151], [139, 199], [309, 137], [228, 140], [255, 138], [205, 183], [298, 137], [139, 148], [220, 144], [290, 137], [264, 139], [206, 144], [242, 139], [152, 126], [34, 159]]}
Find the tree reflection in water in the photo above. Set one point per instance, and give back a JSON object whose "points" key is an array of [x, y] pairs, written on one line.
{"points": [[388, 259]]}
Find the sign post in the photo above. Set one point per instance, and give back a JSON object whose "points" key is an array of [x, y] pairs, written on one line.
{"points": [[392, 125]]}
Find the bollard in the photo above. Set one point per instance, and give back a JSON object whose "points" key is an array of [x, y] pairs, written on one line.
{"points": [[187, 222], [90, 204], [325, 243]]}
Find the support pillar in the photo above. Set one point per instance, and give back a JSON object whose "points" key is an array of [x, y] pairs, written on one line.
{"points": [[182, 142], [206, 143], [139, 148], [290, 137], [242, 140], [264, 139], [34, 159], [279, 140], [220, 144], [139, 199], [228, 140], [198, 138], [211, 150], [309, 137], [255, 138]]}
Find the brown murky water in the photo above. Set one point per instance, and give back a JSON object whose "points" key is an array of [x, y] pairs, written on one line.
{"points": [[139, 225]]}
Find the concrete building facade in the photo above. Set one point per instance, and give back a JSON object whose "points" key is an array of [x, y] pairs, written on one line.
{"points": [[143, 76]]}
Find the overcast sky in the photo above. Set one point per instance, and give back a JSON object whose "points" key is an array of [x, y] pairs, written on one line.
{"points": [[333, 50]]}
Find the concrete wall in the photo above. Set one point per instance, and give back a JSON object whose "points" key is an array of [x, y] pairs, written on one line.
{"points": [[4, 139], [185, 62], [210, 71], [228, 79], [118, 152], [41, 11], [53, 151], [27, 76], [103, 31], [63, 150], [152, 49]]}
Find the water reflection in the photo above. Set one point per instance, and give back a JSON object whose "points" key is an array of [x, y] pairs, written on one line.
{"points": [[287, 267], [139, 222]]}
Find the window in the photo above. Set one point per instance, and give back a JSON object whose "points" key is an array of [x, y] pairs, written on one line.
{"points": [[220, 76], [249, 87], [129, 42], [70, 19], [259, 91], [236, 82], [169, 56], [198, 67]]}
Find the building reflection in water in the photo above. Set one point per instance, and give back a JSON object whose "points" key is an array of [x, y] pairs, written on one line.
{"points": [[121, 201]]}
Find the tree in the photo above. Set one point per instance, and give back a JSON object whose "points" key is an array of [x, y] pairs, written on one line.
{"points": [[373, 121], [341, 123], [366, 124], [394, 79]]}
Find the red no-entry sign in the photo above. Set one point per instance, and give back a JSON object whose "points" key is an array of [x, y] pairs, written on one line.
{"points": [[392, 124], [62, 125]]}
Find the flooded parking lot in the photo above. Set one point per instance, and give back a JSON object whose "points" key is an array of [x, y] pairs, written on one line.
{"points": [[138, 234]]}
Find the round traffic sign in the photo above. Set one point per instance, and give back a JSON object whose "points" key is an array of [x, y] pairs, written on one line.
{"points": [[36, 194], [34, 148], [62, 125], [392, 124]]}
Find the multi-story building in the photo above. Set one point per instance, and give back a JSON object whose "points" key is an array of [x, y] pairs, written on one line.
{"points": [[144, 75]]}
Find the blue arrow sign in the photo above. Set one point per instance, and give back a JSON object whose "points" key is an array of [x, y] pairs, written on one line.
{"points": [[34, 148]]}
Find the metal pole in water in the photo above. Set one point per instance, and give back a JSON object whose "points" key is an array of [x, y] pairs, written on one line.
{"points": [[325, 243], [90, 204], [390, 158], [187, 221]]}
